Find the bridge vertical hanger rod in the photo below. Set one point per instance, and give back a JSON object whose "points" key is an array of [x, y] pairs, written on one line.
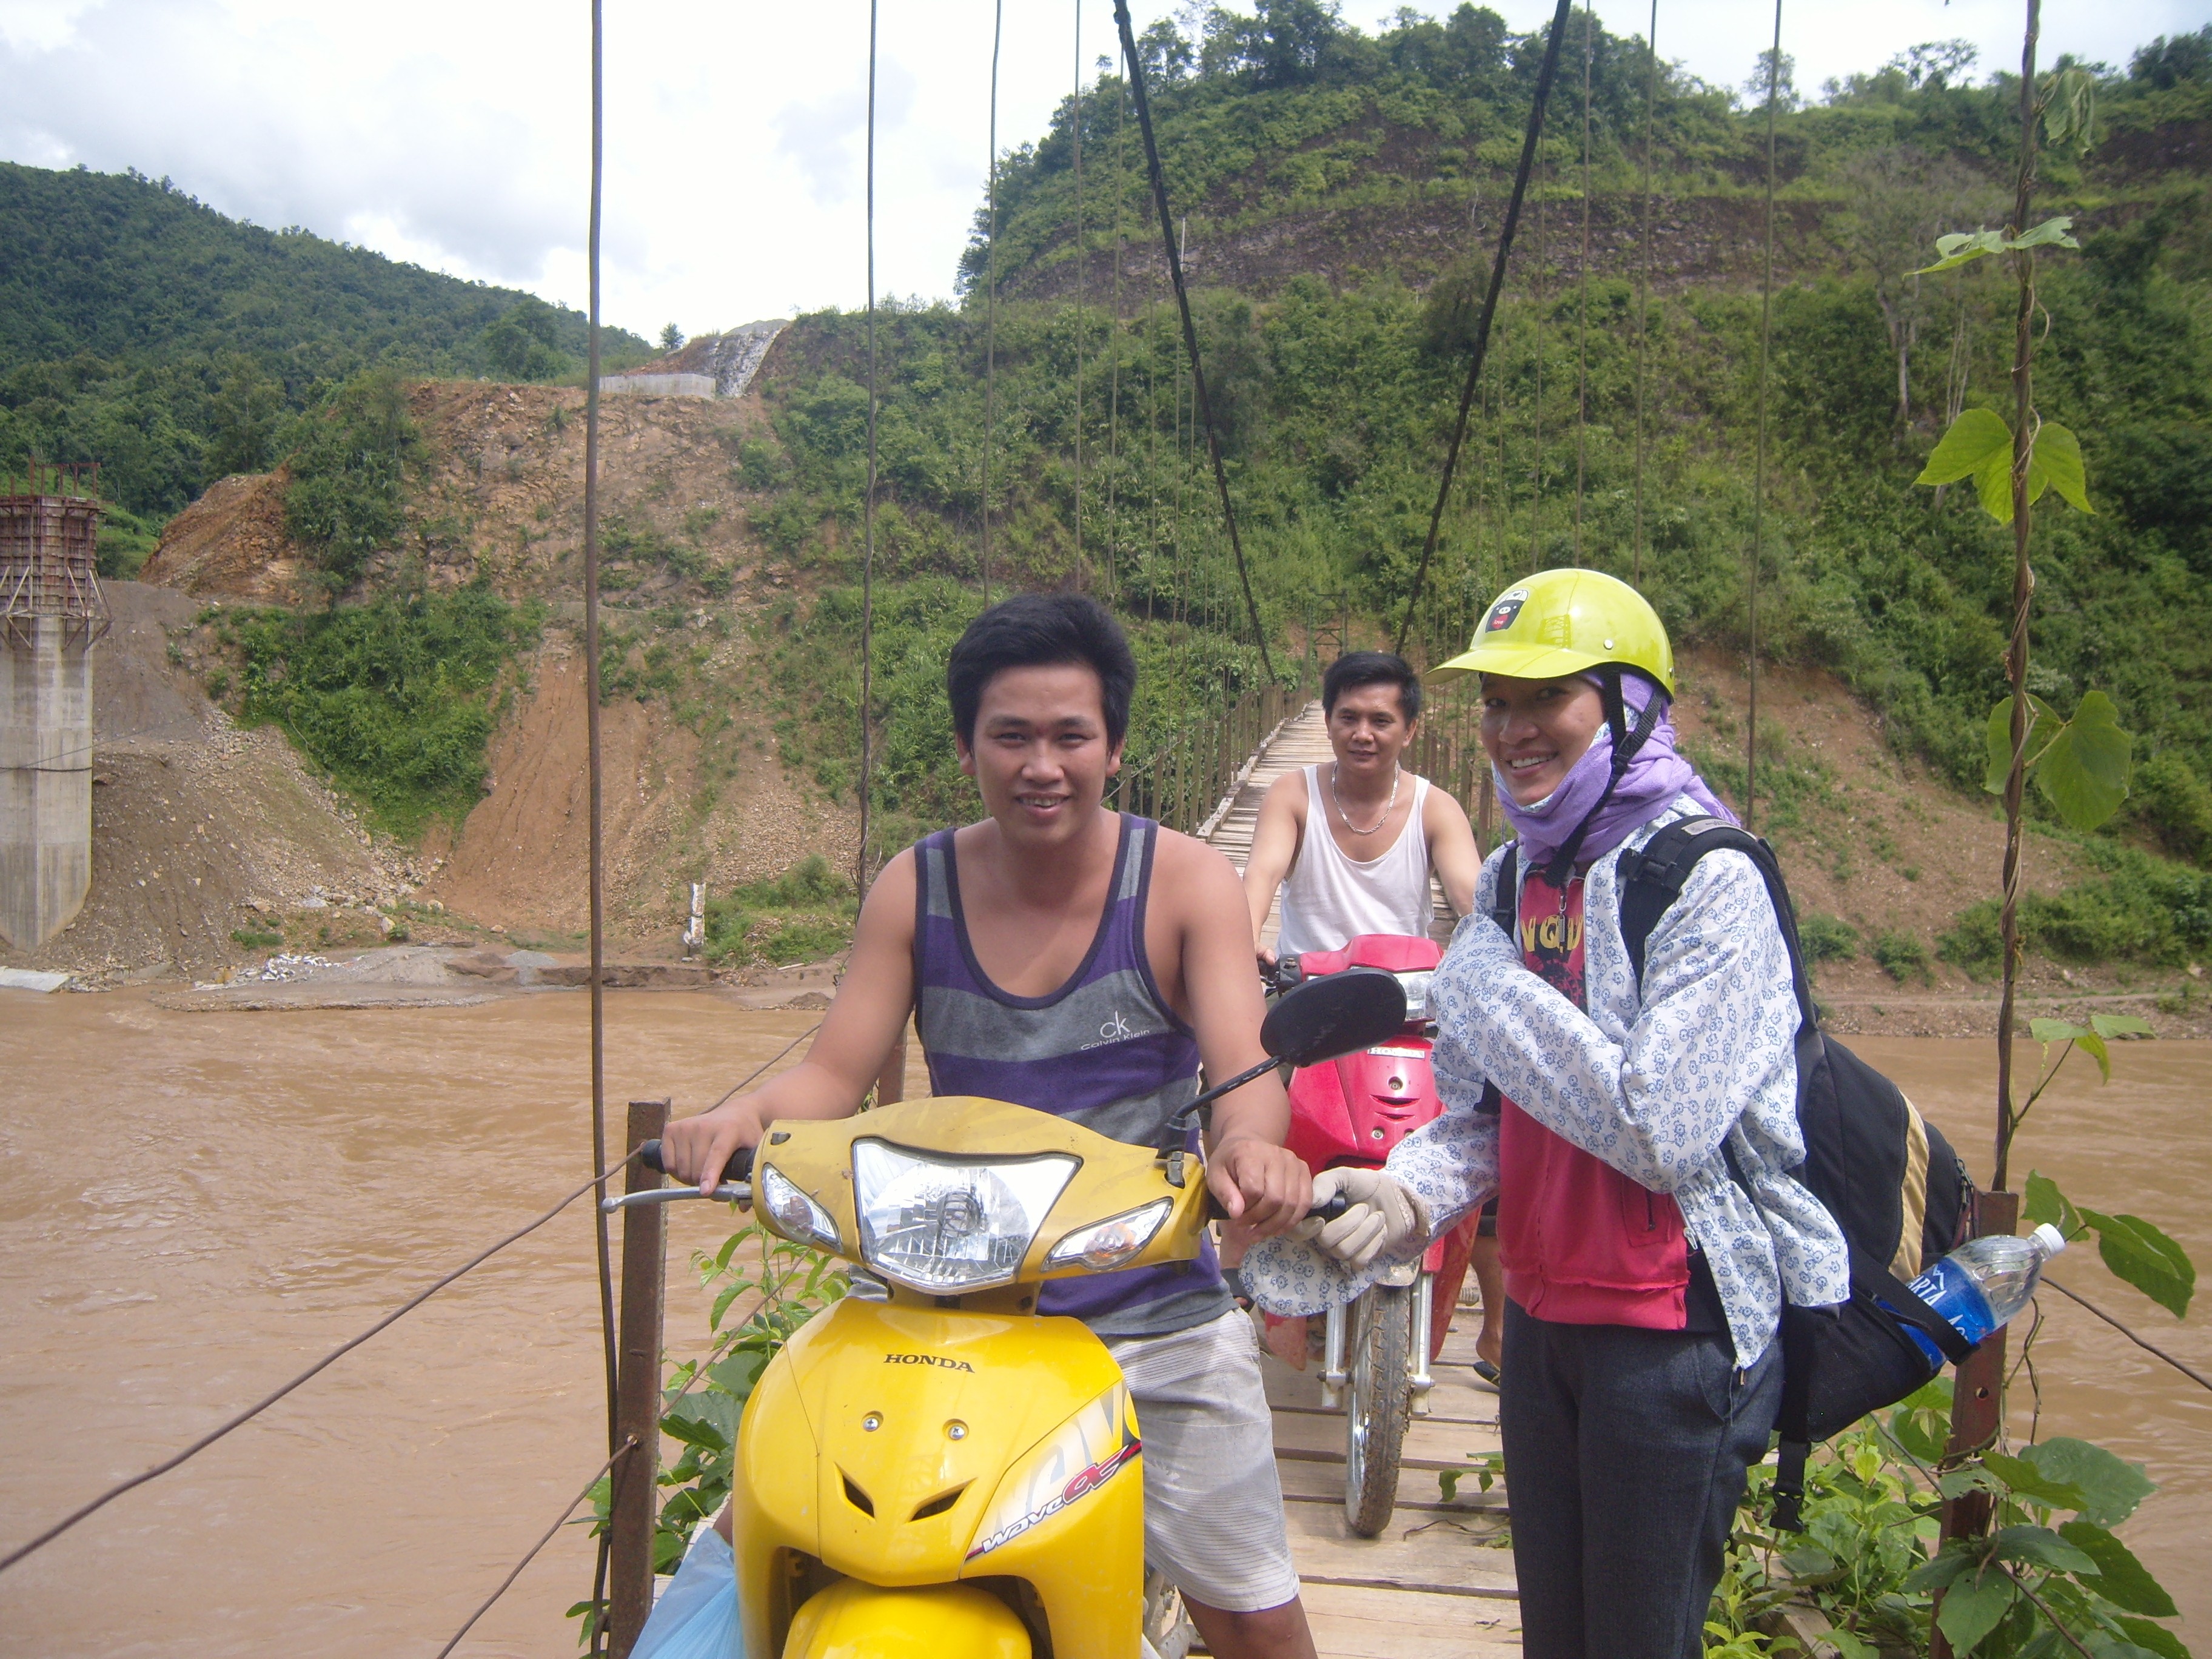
{"points": [[1544, 78], [1581, 318], [1114, 358], [1536, 400], [1644, 280], [1204, 405], [868, 505], [1081, 255], [991, 300], [1759, 465], [598, 840]]}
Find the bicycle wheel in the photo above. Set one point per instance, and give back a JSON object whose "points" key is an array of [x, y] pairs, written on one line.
{"points": [[1378, 1406]]}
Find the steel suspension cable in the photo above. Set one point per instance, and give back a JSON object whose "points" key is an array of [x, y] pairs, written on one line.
{"points": [[991, 301], [1545, 77], [1081, 254], [531, 1554], [2145, 1344], [1581, 320], [1759, 464], [239, 1419], [596, 853], [1114, 360], [770, 1061], [868, 505], [1644, 280], [1203, 405]]}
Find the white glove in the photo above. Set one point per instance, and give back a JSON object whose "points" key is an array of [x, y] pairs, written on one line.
{"points": [[1385, 1216]]}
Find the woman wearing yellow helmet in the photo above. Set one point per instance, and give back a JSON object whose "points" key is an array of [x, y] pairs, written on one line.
{"points": [[1638, 1129]]}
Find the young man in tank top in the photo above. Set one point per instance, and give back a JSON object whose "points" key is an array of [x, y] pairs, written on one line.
{"points": [[1085, 963], [1350, 846]]}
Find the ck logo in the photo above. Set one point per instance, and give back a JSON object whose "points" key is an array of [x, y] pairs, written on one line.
{"points": [[1115, 1029]]}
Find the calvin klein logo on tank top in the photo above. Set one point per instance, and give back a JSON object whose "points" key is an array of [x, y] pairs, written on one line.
{"points": [[1115, 1029]]}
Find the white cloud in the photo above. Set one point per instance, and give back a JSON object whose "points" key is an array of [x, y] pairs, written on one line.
{"points": [[455, 132]]}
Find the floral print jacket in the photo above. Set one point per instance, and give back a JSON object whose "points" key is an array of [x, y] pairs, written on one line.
{"points": [[1654, 1085]]}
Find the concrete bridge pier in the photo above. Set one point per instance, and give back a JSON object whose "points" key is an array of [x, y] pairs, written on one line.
{"points": [[51, 612], [45, 780]]}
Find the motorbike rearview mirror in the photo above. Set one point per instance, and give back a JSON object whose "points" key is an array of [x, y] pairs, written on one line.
{"points": [[1334, 1015], [1313, 1022]]}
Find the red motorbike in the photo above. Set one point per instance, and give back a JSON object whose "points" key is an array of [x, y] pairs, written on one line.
{"points": [[1352, 1111]]}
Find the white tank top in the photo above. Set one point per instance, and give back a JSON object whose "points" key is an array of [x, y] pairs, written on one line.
{"points": [[1329, 898]]}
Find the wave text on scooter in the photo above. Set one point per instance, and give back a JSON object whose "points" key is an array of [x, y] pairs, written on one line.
{"points": [[1085, 1481], [927, 1359]]}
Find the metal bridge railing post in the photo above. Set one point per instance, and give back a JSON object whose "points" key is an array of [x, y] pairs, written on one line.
{"points": [[637, 1394]]}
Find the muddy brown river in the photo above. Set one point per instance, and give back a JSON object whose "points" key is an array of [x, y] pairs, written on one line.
{"points": [[197, 1205]]}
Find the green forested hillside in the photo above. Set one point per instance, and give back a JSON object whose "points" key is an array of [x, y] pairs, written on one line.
{"points": [[142, 330], [1335, 367]]}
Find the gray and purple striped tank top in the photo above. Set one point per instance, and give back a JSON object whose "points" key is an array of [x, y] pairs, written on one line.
{"points": [[1104, 1050]]}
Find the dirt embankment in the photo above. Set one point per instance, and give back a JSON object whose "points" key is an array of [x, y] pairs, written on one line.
{"points": [[230, 543], [200, 829], [1880, 844], [692, 790], [499, 496], [677, 811]]}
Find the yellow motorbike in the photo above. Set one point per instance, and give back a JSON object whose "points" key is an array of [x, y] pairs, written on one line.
{"points": [[936, 1470]]}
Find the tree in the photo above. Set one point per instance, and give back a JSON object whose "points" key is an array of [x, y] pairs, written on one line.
{"points": [[1785, 94], [1898, 201], [2167, 62], [1935, 65], [246, 413], [524, 342], [1166, 53], [347, 498], [672, 336], [1282, 44]]}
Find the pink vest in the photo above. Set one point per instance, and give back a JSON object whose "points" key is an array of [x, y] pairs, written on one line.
{"points": [[1580, 1244]]}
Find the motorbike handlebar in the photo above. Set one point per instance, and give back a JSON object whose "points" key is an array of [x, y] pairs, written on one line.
{"points": [[1334, 1206], [739, 1168]]}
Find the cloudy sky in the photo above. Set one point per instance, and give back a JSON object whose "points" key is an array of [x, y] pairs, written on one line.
{"points": [[455, 133]]}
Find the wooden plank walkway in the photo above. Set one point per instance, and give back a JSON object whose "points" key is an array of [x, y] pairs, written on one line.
{"points": [[1439, 1585]]}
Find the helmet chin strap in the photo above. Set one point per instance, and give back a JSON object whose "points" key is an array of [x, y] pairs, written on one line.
{"points": [[1626, 740]]}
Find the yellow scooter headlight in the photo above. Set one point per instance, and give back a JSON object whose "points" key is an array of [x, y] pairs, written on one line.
{"points": [[940, 1224], [796, 1215], [1107, 1244]]}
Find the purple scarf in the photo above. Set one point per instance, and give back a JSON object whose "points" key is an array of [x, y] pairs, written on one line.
{"points": [[1657, 776]]}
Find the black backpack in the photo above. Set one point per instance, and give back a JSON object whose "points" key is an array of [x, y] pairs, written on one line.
{"points": [[1897, 1191]]}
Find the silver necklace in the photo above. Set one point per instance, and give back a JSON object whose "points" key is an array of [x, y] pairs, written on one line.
{"points": [[1388, 806]]}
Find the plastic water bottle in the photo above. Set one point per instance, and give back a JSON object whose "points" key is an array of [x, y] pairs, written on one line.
{"points": [[1985, 1282]]}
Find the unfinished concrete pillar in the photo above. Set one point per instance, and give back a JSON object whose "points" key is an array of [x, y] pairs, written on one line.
{"points": [[51, 611]]}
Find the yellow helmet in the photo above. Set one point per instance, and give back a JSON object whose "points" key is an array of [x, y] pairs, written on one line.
{"points": [[1559, 622]]}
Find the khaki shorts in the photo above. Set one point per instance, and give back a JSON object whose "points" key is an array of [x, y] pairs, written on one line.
{"points": [[1213, 1508]]}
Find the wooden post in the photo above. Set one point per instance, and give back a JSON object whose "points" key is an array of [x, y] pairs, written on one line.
{"points": [[637, 1394], [1977, 1404]]}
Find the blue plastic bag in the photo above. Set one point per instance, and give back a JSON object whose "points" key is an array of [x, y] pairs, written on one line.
{"points": [[696, 1616]]}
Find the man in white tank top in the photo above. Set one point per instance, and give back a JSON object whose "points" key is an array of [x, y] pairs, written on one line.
{"points": [[1352, 843]]}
